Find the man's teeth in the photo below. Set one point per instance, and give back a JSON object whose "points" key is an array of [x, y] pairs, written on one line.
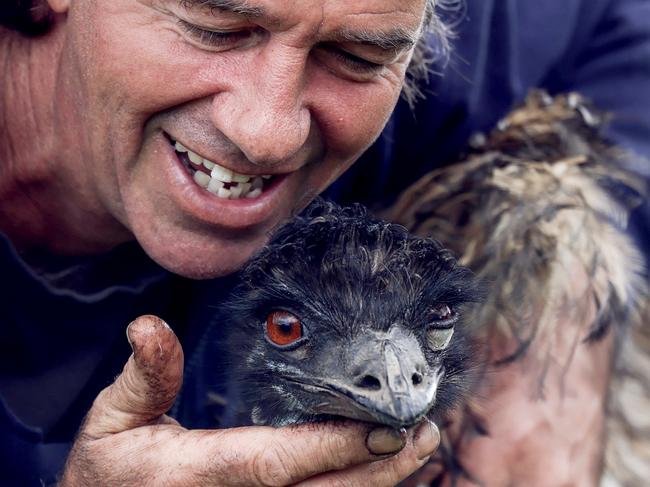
{"points": [[195, 158], [202, 179], [223, 174], [238, 185]]}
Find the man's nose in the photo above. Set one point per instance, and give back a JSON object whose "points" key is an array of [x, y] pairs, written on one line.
{"points": [[264, 113]]}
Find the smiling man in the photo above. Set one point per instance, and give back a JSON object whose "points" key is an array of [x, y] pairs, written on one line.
{"points": [[272, 99], [194, 127]]}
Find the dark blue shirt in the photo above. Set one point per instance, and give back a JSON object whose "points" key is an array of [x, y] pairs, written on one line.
{"points": [[62, 325]]}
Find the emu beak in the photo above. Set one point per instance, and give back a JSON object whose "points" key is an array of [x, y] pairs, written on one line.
{"points": [[390, 381]]}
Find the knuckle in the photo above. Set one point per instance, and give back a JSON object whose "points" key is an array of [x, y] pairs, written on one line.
{"points": [[274, 467], [334, 444], [336, 451]]}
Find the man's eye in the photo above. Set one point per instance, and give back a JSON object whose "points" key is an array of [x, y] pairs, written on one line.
{"points": [[356, 63], [213, 38], [350, 62]]}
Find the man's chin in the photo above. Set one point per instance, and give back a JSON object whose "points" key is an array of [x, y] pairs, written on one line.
{"points": [[200, 271], [203, 262]]}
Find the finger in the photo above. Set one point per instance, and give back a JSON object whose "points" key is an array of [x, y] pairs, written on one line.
{"points": [[148, 385], [387, 472], [427, 475], [283, 456]]}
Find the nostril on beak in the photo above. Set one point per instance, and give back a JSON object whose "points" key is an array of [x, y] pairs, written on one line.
{"points": [[416, 378], [368, 382]]}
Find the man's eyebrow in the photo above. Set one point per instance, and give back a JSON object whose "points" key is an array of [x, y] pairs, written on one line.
{"points": [[396, 40], [391, 40], [239, 7]]}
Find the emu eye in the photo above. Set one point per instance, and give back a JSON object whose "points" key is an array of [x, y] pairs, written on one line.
{"points": [[283, 328], [442, 318], [439, 338], [442, 312]]}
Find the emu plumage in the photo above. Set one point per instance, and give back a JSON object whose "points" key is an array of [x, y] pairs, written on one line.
{"points": [[541, 198]]}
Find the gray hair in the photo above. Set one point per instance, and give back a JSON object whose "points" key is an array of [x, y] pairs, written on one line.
{"points": [[433, 49]]}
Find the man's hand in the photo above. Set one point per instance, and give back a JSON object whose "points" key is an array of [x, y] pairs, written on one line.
{"points": [[127, 440]]}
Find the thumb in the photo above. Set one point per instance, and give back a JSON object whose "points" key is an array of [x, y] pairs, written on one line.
{"points": [[148, 385]]}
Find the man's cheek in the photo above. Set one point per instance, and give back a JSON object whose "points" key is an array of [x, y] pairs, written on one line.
{"points": [[144, 76], [355, 118], [136, 66]]}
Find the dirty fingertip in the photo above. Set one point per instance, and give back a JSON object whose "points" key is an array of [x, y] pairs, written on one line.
{"points": [[385, 441], [426, 439]]}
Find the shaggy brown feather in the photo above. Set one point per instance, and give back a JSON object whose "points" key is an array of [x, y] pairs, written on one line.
{"points": [[541, 199]]}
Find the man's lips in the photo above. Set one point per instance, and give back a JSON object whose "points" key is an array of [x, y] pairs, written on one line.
{"points": [[273, 202]]}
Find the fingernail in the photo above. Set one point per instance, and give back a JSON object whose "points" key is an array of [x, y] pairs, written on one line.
{"points": [[383, 441], [426, 440], [129, 339], [128, 334]]}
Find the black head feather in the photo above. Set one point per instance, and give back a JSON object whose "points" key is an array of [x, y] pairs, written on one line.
{"points": [[375, 305]]}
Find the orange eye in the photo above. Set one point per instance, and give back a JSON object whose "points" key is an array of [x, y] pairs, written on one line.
{"points": [[283, 328]]}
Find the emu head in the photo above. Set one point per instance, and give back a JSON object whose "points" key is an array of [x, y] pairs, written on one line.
{"points": [[343, 315]]}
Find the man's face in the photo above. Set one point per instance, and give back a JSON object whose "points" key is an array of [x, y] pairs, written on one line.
{"points": [[291, 89]]}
